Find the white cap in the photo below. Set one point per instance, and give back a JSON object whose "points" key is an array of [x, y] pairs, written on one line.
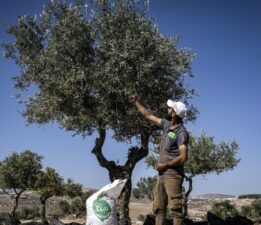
{"points": [[179, 108]]}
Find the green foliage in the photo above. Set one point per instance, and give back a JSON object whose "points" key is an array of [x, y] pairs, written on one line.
{"points": [[224, 209], [72, 189], [65, 207], [49, 183], [29, 213], [247, 211], [78, 206], [83, 66], [252, 196], [19, 171], [253, 211], [256, 204], [136, 193], [205, 156], [145, 188]]}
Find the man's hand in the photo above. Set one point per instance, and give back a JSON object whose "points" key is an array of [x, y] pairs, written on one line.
{"points": [[161, 166], [133, 98], [144, 112]]}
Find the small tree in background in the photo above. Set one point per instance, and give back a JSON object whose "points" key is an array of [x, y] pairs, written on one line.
{"points": [[145, 188], [49, 183], [72, 189], [204, 157], [19, 172]]}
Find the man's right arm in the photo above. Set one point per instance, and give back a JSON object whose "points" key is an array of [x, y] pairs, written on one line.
{"points": [[146, 113]]}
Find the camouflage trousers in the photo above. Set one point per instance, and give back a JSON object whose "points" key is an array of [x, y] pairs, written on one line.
{"points": [[168, 193]]}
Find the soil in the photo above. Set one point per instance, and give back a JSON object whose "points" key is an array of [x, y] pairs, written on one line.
{"points": [[197, 207]]}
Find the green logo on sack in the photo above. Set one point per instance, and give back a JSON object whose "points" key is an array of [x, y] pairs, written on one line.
{"points": [[101, 208]]}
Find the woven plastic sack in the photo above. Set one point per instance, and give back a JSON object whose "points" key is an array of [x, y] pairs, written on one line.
{"points": [[101, 206]]}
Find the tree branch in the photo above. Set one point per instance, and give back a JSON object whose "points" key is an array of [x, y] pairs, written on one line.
{"points": [[136, 154], [97, 150], [189, 179]]}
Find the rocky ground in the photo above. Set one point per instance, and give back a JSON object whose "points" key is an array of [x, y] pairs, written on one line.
{"points": [[197, 207]]}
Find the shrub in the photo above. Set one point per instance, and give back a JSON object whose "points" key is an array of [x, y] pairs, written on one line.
{"points": [[246, 211], [28, 213], [224, 209], [65, 207], [78, 206], [256, 205], [253, 211]]}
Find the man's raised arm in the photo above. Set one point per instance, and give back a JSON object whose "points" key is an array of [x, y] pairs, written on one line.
{"points": [[146, 113]]}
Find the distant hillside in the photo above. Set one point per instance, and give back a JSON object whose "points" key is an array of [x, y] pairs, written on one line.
{"points": [[252, 196], [212, 196]]}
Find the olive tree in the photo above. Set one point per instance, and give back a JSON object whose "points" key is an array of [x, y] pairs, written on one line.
{"points": [[204, 157], [18, 172], [80, 63], [49, 183], [72, 189]]}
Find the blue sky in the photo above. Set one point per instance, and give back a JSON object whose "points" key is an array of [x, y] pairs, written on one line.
{"points": [[226, 37]]}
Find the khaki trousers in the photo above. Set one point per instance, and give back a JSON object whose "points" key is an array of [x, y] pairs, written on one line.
{"points": [[168, 192]]}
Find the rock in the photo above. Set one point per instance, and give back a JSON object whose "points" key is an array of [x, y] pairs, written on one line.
{"points": [[188, 222], [149, 220], [214, 220], [7, 219], [4, 216], [238, 220], [73, 223], [10, 221], [56, 222], [45, 222]]}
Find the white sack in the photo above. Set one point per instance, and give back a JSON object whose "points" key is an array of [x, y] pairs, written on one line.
{"points": [[101, 206]]}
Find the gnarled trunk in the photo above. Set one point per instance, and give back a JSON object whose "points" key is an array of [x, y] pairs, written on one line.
{"points": [[15, 205], [122, 171], [43, 211]]}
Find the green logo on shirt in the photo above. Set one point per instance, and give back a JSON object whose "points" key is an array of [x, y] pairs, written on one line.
{"points": [[172, 134]]}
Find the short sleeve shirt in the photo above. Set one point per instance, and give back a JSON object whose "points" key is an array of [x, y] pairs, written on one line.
{"points": [[169, 146]]}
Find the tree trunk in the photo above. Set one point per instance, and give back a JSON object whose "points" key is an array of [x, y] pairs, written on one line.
{"points": [[18, 194], [123, 204], [185, 205], [43, 211], [135, 154]]}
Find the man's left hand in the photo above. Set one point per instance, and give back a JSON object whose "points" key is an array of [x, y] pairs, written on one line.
{"points": [[161, 166]]}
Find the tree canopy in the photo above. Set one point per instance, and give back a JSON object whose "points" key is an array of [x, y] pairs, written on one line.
{"points": [[81, 66], [72, 189], [19, 172]]}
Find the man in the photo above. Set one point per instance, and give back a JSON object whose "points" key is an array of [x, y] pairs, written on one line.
{"points": [[173, 155]]}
